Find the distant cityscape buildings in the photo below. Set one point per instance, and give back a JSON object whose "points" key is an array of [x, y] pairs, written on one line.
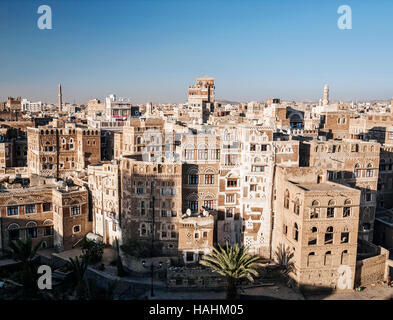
{"points": [[314, 177]]}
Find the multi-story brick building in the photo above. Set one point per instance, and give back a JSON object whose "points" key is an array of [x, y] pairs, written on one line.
{"points": [[201, 98], [14, 104], [335, 125], [72, 217], [104, 185], [13, 147], [59, 216], [196, 236], [319, 224], [256, 180], [385, 179], [349, 162], [151, 191], [59, 152], [144, 138]]}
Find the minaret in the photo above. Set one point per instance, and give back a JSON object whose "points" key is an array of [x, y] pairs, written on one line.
{"points": [[326, 95], [149, 109], [60, 99]]}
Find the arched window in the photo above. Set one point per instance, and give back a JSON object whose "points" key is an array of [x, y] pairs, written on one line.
{"points": [[310, 259], [312, 238], [329, 235], [369, 171], [328, 258], [286, 199], [331, 209], [344, 257], [31, 230], [295, 232], [296, 207], [347, 208], [358, 172], [314, 210]]}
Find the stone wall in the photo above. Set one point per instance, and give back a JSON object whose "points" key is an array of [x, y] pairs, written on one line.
{"points": [[371, 270], [123, 286], [135, 264], [181, 277]]}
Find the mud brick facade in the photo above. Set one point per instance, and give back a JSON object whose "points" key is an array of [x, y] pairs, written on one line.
{"points": [[57, 216], [319, 223]]}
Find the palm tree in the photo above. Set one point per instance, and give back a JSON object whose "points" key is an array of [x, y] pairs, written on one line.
{"points": [[233, 263], [79, 268], [284, 257], [25, 253]]}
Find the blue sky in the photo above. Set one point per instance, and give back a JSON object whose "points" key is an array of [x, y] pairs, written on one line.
{"points": [[151, 50]]}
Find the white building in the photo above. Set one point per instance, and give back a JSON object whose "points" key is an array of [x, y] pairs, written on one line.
{"points": [[27, 105]]}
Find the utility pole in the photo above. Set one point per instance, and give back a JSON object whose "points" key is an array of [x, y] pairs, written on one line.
{"points": [[151, 267], [152, 238]]}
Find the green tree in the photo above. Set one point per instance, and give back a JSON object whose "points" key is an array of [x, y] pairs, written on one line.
{"points": [[92, 250], [79, 268], [284, 257], [24, 252], [233, 263]]}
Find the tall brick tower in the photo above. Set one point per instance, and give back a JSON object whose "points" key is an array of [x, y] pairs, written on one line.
{"points": [[326, 95]]}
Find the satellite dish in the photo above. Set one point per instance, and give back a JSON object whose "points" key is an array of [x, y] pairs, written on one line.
{"points": [[205, 213], [188, 212]]}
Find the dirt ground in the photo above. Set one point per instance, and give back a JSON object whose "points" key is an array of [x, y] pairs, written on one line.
{"points": [[276, 291], [373, 292]]}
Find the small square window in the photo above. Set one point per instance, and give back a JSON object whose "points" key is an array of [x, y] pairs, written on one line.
{"points": [[30, 208], [75, 210], [12, 211]]}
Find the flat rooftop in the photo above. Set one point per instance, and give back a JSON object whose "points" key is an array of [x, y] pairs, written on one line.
{"points": [[325, 186]]}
